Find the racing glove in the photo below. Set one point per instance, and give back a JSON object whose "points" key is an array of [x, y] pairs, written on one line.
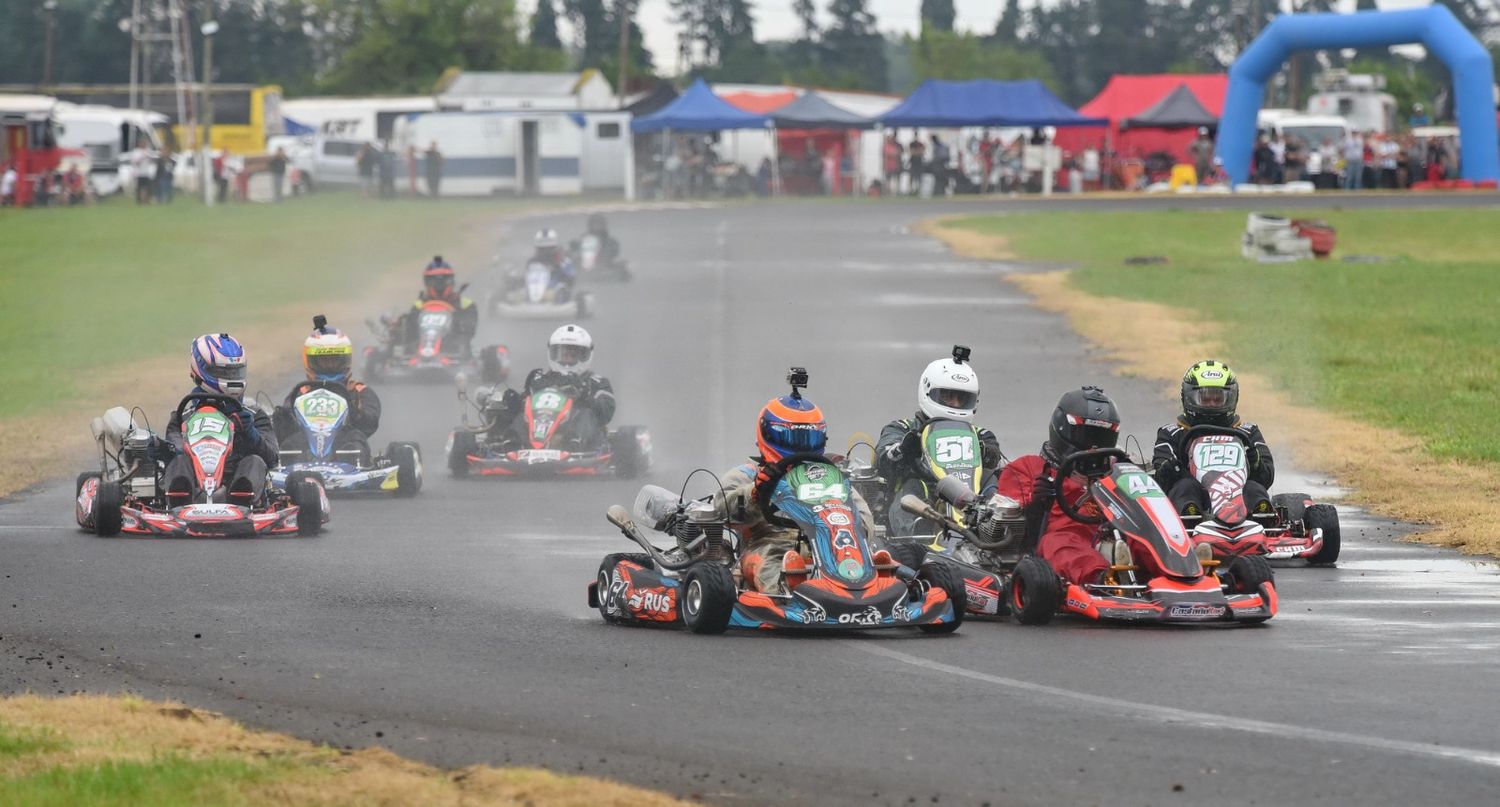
{"points": [[910, 444], [248, 428]]}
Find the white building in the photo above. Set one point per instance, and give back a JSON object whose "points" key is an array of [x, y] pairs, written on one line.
{"points": [[476, 92]]}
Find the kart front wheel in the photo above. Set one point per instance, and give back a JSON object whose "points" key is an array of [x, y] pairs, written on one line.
{"points": [[632, 457], [707, 599], [1326, 518], [1295, 504], [408, 459], [107, 503], [1035, 591], [607, 579], [1247, 572], [306, 491], [85, 518], [945, 577]]}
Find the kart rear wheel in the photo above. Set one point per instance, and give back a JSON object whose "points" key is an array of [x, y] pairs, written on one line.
{"points": [[460, 445], [910, 554], [1295, 504], [83, 478], [607, 575], [1035, 591], [1247, 572], [631, 460], [306, 490], [707, 599], [107, 504], [1326, 518], [945, 577], [408, 459]]}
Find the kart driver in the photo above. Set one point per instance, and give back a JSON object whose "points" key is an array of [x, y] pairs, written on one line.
{"points": [[948, 388], [609, 248], [1084, 419], [438, 284], [1210, 396], [570, 350], [548, 251], [217, 365], [788, 425], [328, 358]]}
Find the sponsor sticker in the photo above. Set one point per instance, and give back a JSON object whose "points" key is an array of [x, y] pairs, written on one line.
{"points": [[869, 616], [1197, 610]]}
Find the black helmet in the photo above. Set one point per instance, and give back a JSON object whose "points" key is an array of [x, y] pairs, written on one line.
{"points": [[1084, 418], [1210, 394]]}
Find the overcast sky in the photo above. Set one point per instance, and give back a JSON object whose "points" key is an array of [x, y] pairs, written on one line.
{"points": [[774, 19]]}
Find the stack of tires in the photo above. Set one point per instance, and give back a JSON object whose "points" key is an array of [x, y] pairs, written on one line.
{"points": [[1273, 239]]}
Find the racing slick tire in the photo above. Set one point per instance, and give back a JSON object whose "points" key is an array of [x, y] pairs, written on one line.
{"points": [[945, 577], [408, 460], [107, 504], [1326, 518], [460, 445], [707, 599], [910, 554], [1295, 504], [606, 579], [83, 478], [494, 364], [305, 488], [630, 459], [1035, 591], [1247, 572]]}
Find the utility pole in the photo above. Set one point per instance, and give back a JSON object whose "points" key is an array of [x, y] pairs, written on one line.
{"points": [[205, 103], [50, 6], [622, 15]]}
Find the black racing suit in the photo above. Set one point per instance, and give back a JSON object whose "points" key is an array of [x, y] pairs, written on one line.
{"points": [[899, 459], [252, 453], [364, 413], [609, 248], [592, 394], [465, 322], [1169, 464]]}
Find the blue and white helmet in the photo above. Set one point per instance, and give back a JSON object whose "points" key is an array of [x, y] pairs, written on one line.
{"points": [[217, 364]]}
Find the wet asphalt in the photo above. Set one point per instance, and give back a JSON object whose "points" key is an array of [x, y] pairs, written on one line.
{"points": [[453, 627]]}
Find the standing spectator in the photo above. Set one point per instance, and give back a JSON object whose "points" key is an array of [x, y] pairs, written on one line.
{"points": [[1372, 169], [939, 165], [763, 176], [1294, 159], [8, 182], [433, 163], [1354, 161], [1278, 159], [364, 162], [1388, 153], [890, 154], [1330, 152], [1202, 150], [387, 171], [1264, 159], [916, 164], [1450, 157], [221, 178], [1416, 161], [1314, 167], [143, 169], [74, 186], [278, 173], [165, 164]]}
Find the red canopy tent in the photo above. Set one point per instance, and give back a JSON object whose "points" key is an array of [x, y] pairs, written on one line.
{"points": [[1125, 96]]}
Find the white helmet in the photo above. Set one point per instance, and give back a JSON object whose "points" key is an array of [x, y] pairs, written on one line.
{"points": [[569, 349], [545, 239], [948, 389]]}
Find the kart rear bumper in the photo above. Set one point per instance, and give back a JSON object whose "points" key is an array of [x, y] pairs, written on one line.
{"points": [[516, 310], [542, 463], [339, 478], [208, 521]]}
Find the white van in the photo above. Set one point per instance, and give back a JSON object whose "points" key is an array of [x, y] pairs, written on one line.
{"points": [[106, 136]]}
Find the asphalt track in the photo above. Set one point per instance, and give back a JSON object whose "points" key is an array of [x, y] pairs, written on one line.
{"points": [[453, 627]]}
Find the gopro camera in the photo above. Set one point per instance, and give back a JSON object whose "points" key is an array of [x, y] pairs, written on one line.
{"points": [[961, 354]]}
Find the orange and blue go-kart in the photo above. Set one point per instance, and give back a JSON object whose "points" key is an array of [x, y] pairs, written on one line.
{"points": [[129, 496], [1156, 575], [698, 584]]}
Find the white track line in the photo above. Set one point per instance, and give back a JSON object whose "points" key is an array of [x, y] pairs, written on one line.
{"points": [[1205, 720]]}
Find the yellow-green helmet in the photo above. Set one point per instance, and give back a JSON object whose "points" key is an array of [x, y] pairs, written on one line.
{"points": [[1210, 393]]}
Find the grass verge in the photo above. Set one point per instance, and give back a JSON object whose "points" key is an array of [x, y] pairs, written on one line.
{"points": [[1375, 373], [102, 751]]}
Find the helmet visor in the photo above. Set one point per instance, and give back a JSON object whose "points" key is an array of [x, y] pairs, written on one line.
{"points": [[439, 285], [1209, 399], [1087, 437], [569, 355], [330, 365], [797, 438], [953, 398], [226, 372]]}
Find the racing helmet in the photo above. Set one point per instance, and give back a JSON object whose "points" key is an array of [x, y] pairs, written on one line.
{"points": [[949, 388], [217, 363], [328, 355], [790, 425], [1084, 419], [545, 239], [1210, 393], [597, 224], [437, 279], [569, 349]]}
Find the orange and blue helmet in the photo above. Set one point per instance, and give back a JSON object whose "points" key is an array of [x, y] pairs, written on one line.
{"points": [[437, 278], [791, 425]]}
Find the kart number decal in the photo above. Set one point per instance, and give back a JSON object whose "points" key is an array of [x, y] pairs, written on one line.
{"points": [[954, 449], [1211, 456], [204, 425], [434, 320], [1137, 484], [547, 400], [817, 491]]}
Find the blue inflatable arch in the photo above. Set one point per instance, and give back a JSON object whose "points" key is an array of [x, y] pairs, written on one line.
{"points": [[1433, 26]]}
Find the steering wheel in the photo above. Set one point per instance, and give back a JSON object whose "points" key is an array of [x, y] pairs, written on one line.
{"points": [[217, 399], [1092, 464], [1252, 453], [766, 485]]}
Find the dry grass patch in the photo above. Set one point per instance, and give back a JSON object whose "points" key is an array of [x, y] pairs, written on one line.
{"points": [[964, 241], [113, 750], [1383, 470]]}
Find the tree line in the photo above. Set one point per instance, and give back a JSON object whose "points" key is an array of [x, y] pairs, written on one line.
{"points": [[403, 46]]}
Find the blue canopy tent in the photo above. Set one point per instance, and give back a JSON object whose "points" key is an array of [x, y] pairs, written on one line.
{"points": [[698, 110], [984, 102]]}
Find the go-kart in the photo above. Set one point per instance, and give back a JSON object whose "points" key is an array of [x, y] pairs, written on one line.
{"points": [[438, 353], [592, 266], [545, 439], [1295, 527], [123, 500], [1156, 574], [535, 292], [697, 583], [321, 442], [980, 541]]}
